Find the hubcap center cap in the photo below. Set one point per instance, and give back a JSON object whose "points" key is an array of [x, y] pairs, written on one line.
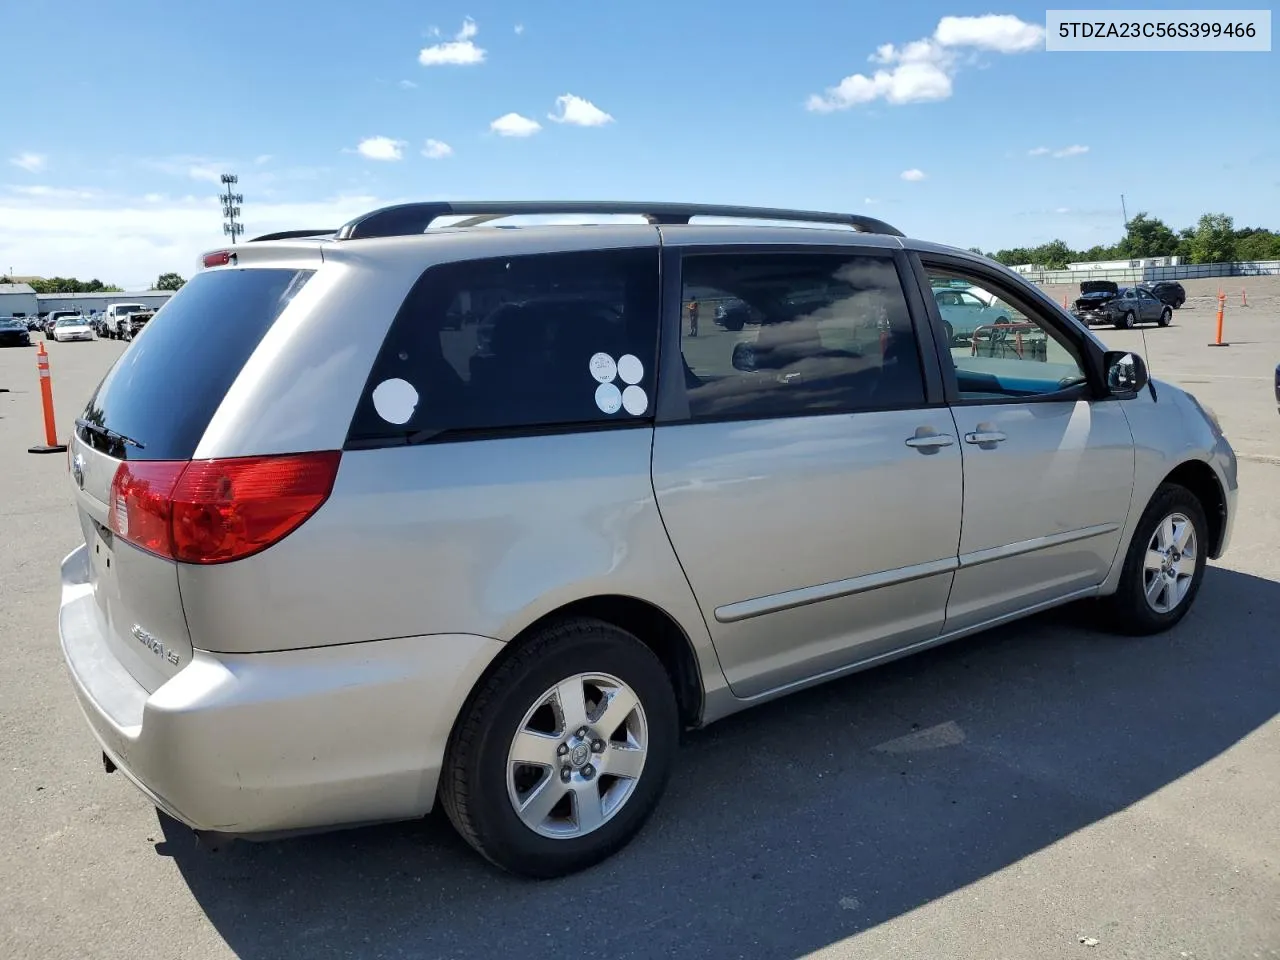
{"points": [[580, 754]]}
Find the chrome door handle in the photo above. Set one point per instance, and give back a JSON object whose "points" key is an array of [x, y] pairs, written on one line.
{"points": [[987, 436], [931, 442]]}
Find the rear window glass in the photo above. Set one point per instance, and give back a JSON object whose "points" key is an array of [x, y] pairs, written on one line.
{"points": [[512, 343], [164, 390]]}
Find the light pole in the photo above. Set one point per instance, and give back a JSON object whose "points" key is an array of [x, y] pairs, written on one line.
{"points": [[230, 206]]}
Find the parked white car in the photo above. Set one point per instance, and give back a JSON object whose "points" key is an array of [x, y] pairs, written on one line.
{"points": [[73, 328], [965, 310]]}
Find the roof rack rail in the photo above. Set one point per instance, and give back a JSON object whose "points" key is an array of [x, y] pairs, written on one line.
{"points": [[294, 235], [407, 219]]}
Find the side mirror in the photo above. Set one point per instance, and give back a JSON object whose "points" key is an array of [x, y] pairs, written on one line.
{"points": [[1126, 373], [744, 357]]}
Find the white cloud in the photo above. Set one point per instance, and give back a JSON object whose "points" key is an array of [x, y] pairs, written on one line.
{"points": [[1062, 210], [519, 29], [579, 112], [869, 201], [436, 150], [923, 70], [130, 240], [30, 162], [262, 158], [206, 172], [58, 193], [460, 51], [913, 175], [514, 125], [189, 167], [1074, 150], [408, 85], [381, 148], [1003, 33]]}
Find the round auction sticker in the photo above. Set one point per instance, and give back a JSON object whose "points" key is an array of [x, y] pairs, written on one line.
{"points": [[635, 400], [603, 368], [395, 400], [608, 398], [630, 369]]}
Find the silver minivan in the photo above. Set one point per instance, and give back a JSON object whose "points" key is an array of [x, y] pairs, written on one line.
{"points": [[406, 512]]}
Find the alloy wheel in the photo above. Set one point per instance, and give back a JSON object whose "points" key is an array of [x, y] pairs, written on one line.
{"points": [[577, 755], [1169, 567]]}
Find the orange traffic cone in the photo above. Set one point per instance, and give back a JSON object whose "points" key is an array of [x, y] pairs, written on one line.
{"points": [[51, 444]]}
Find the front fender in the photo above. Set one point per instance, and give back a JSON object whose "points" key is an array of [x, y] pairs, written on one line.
{"points": [[1170, 429]]}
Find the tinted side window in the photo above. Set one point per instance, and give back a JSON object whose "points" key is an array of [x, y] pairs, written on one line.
{"points": [[165, 388], [788, 335], [510, 343]]}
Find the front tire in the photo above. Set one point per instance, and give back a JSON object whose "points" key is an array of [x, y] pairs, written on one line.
{"points": [[562, 753], [1127, 321], [1164, 566], [1166, 317]]}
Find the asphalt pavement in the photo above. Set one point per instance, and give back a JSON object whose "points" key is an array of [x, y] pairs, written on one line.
{"points": [[1044, 790]]}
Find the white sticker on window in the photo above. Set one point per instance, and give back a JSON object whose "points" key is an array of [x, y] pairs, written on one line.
{"points": [[603, 368], [608, 398], [630, 369], [395, 400], [635, 400]]}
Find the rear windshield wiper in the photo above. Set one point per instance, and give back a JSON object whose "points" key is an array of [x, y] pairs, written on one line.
{"points": [[109, 434]]}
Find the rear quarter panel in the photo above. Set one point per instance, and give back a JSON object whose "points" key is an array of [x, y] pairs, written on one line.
{"points": [[480, 537]]}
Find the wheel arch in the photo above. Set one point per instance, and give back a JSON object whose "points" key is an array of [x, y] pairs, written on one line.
{"points": [[1199, 478], [650, 624]]}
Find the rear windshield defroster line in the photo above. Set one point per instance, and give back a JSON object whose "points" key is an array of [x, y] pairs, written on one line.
{"points": [[164, 390]]}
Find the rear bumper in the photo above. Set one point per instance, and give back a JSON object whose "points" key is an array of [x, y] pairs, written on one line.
{"points": [[261, 743]]}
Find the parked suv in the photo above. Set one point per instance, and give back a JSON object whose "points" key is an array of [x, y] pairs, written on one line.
{"points": [[1170, 292], [331, 579]]}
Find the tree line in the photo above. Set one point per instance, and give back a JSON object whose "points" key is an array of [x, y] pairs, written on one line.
{"points": [[1214, 239], [166, 281]]}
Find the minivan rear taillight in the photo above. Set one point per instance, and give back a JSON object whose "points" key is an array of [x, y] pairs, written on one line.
{"points": [[213, 511]]}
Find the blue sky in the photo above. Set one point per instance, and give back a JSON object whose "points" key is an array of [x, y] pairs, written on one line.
{"points": [[131, 108]]}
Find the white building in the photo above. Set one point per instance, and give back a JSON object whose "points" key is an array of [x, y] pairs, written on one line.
{"points": [[1139, 263], [18, 300], [88, 303]]}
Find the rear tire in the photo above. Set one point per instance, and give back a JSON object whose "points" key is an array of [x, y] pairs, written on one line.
{"points": [[1147, 601], [493, 800]]}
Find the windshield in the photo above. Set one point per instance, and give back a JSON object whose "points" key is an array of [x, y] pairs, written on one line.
{"points": [[122, 308], [9, 324], [70, 321]]}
